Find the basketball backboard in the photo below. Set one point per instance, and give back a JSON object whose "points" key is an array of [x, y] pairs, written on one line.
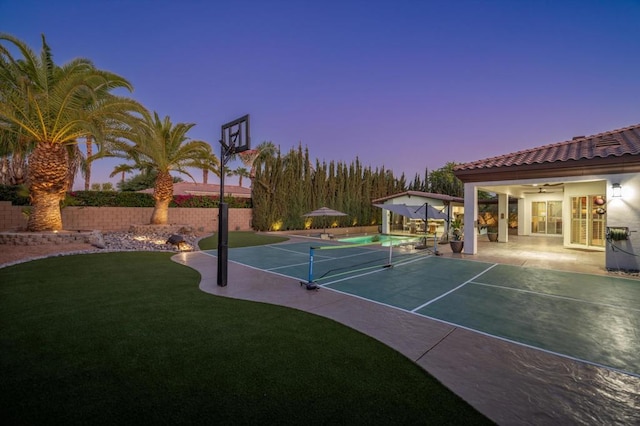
{"points": [[235, 135]]}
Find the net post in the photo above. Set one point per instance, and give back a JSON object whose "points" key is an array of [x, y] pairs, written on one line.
{"points": [[310, 265], [389, 264], [310, 284]]}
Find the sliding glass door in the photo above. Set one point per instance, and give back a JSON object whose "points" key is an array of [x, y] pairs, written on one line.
{"points": [[546, 217]]}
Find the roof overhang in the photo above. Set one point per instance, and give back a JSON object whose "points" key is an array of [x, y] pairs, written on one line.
{"points": [[564, 169]]}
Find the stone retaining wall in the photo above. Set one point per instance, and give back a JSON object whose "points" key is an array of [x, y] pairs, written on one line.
{"points": [[34, 239]]}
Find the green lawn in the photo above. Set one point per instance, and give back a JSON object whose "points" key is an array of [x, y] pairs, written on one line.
{"points": [[127, 338], [241, 239]]}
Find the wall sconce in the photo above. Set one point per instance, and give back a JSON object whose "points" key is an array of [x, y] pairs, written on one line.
{"points": [[617, 190]]}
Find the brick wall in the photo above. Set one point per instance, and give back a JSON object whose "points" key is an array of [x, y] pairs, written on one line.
{"points": [[120, 218]]}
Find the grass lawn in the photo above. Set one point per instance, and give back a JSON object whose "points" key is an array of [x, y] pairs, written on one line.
{"points": [[127, 338], [241, 239]]}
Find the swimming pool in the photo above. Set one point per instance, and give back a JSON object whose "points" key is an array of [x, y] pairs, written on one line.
{"points": [[385, 239]]}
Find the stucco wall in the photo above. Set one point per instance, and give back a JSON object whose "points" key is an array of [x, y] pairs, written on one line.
{"points": [[624, 212], [120, 218]]}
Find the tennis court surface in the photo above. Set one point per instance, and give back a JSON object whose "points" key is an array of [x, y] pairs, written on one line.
{"points": [[589, 318]]}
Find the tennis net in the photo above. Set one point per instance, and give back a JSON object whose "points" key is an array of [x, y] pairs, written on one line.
{"points": [[335, 262]]}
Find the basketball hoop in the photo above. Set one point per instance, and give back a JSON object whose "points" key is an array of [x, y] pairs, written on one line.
{"points": [[248, 158]]}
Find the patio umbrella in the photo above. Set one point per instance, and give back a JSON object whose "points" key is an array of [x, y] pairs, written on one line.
{"points": [[324, 212]]}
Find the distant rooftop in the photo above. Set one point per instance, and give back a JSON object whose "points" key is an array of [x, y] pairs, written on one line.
{"points": [[190, 188]]}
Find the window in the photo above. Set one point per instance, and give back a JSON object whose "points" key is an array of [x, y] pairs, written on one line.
{"points": [[587, 222]]}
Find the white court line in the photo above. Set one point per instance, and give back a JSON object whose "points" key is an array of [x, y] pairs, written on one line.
{"points": [[286, 266], [328, 259], [354, 276], [382, 268], [289, 251], [555, 296], [454, 289], [526, 345], [505, 339]]}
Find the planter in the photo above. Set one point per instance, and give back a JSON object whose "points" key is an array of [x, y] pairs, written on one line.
{"points": [[493, 236], [456, 246]]}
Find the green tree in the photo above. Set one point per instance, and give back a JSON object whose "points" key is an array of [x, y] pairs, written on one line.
{"points": [[139, 182], [241, 172], [48, 108], [159, 145], [286, 187], [208, 163], [443, 181], [122, 169]]}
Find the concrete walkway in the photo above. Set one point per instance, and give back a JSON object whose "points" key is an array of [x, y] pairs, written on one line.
{"points": [[509, 383]]}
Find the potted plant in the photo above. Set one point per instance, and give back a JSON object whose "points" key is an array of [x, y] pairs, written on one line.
{"points": [[456, 242], [492, 233]]}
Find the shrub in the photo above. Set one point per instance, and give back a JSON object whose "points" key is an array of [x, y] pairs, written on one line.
{"points": [[109, 199], [19, 197], [17, 194]]}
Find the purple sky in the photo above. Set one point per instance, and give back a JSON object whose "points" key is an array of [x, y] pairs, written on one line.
{"points": [[407, 85]]}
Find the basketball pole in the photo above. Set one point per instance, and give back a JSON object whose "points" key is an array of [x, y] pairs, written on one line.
{"points": [[223, 221], [232, 133]]}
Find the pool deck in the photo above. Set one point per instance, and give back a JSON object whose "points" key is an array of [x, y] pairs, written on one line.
{"points": [[510, 383]]}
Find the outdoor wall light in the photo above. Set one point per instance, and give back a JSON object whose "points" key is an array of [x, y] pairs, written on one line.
{"points": [[617, 190]]}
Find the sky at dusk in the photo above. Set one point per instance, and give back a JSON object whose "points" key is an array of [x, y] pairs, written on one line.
{"points": [[404, 85]]}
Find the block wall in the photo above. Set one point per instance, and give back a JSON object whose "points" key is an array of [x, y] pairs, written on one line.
{"points": [[120, 218]]}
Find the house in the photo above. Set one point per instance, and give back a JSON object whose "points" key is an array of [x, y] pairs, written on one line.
{"points": [[585, 191], [190, 188], [414, 212]]}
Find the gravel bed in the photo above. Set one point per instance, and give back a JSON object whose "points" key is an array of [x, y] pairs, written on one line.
{"points": [[117, 242]]}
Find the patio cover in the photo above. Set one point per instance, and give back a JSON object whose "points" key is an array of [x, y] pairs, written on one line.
{"points": [[414, 212]]}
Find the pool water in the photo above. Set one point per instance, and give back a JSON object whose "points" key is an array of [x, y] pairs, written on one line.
{"points": [[384, 239]]}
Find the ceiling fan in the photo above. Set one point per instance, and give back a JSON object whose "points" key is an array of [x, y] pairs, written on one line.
{"points": [[546, 188]]}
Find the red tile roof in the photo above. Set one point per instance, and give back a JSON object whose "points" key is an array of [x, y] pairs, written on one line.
{"points": [[615, 143], [189, 188]]}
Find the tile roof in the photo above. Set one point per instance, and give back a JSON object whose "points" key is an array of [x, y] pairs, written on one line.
{"points": [[189, 188], [615, 143]]}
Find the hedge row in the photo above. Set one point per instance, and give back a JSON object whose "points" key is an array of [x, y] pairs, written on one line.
{"points": [[17, 196]]}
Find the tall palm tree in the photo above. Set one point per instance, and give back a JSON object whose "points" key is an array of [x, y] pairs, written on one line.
{"points": [[209, 163], [122, 169], [52, 107], [87, 170], [159, 145], [241, 172]]}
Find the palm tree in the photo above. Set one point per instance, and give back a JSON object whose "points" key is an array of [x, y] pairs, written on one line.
{"points": [[122, 169], [161, 146], [51, 107], [13, 170], [241, 172], [209, 163], [267, 149]]}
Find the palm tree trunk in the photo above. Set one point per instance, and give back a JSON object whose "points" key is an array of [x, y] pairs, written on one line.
{"points": [[162, 193], [87, 173], [47, 178]]}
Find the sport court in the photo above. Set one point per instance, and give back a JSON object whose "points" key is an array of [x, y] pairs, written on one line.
{"points": [[585, 317]]}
